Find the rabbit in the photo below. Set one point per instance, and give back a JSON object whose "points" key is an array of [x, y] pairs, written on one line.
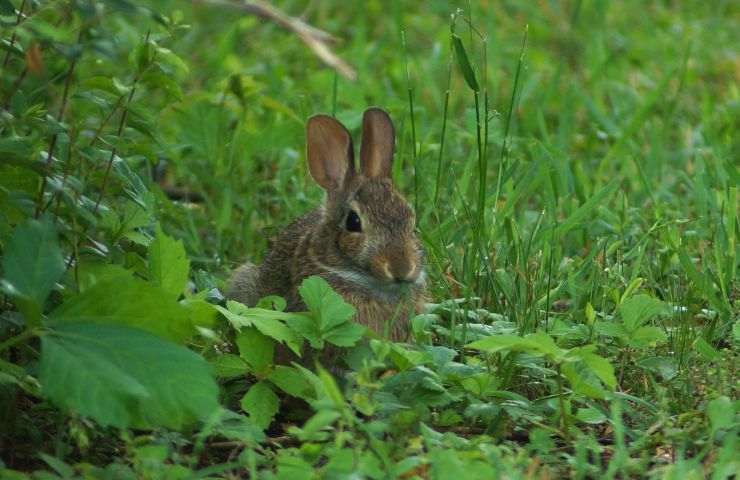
{"points": [[361, 240]]}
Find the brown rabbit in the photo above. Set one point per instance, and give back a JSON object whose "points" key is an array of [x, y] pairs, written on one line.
{"points": [[361, 240]]}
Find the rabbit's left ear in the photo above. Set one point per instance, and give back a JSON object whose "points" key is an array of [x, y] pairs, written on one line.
{"points": [[378, 137]]}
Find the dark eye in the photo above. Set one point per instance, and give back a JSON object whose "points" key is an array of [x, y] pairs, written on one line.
{"points": [[353, 222]]}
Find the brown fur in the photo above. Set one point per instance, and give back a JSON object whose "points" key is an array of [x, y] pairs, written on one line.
{"points": [[378, 270]]}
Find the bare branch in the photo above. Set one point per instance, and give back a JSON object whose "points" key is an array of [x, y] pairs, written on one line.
{"points": [[315, 39]]}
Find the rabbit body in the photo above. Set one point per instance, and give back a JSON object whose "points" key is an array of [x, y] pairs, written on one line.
{"points": [[361, 240]]}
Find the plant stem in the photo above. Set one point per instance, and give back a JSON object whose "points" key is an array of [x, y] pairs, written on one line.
{"points": [[55, 137], [561, 400], [21, 337], [18, 19], [121, 125]]}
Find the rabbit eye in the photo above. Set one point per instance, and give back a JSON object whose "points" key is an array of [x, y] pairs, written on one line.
{"points": [[353, 222]]}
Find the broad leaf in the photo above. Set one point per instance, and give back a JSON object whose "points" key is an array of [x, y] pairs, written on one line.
{"points": [[538, 344], [601, 367], [646, 336], [228, 365], [268, 322], [127, 302], [168, 264], [261, 403], [583, 380], [125, 377], [345, 335], [256, 349], [32, 261], [292, 382], [326, 305], [638, 310]]}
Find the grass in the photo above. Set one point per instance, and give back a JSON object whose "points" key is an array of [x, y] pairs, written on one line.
{"points": [[562, 158]]}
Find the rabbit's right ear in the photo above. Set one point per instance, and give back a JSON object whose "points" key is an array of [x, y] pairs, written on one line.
{"points": [[329, 151]]}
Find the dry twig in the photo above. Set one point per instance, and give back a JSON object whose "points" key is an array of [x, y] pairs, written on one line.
{"points": [[315, 39]]}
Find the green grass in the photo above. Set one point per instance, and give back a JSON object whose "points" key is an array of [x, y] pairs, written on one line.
{"points": [[563, 158]]}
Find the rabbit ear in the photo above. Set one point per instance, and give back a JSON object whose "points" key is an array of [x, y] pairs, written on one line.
{"points": [[376, 153], [329, 152]]}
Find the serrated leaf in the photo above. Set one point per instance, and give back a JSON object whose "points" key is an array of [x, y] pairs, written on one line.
{"points": [[32, 261], [168, 263], [324, 303], [261, 403], [582, 380], [256, 349], [345, 335], [291, 381], [307, 326], [538, 344], [463, 62], [125, 377], [638, 310], [268, 322], [601, 367], [229, 366], [127, 302]]}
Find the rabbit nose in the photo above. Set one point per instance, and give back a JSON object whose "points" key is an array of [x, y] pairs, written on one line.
{"points": [[405, 272]]}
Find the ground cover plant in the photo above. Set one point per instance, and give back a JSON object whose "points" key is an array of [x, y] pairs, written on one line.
{"points": [[573, 167]]}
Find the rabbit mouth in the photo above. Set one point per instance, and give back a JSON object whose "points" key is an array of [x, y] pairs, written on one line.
{"points": [[371, 285]]}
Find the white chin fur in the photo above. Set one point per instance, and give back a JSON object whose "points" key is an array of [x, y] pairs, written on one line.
{"points": [[386, 290]]}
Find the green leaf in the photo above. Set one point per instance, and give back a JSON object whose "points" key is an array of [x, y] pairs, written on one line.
{"points": [[316, 428], [638, 310], [32, 260], [168, 264], [128, 302], [256, 349], [229, 366], [6, 8], [345, 335], [324, 303], [582, 380], [268, 322], [611, 329], [463, 62], [538, 344], [721, 413], [331, 388], [125, 377], [498, 343], [261, 403], [666, 367], [591, 415], [292, 382], [706, 350], [646, 337], [601, 367], [307, 327]]}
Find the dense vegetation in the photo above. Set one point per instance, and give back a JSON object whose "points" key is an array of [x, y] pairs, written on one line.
{"points": [[573, 166]]}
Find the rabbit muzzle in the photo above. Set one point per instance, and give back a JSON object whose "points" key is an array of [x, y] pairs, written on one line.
{"points": [[399, 265]]}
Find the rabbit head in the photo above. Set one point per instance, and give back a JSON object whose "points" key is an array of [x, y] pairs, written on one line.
{"points": [[366, 235]]}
